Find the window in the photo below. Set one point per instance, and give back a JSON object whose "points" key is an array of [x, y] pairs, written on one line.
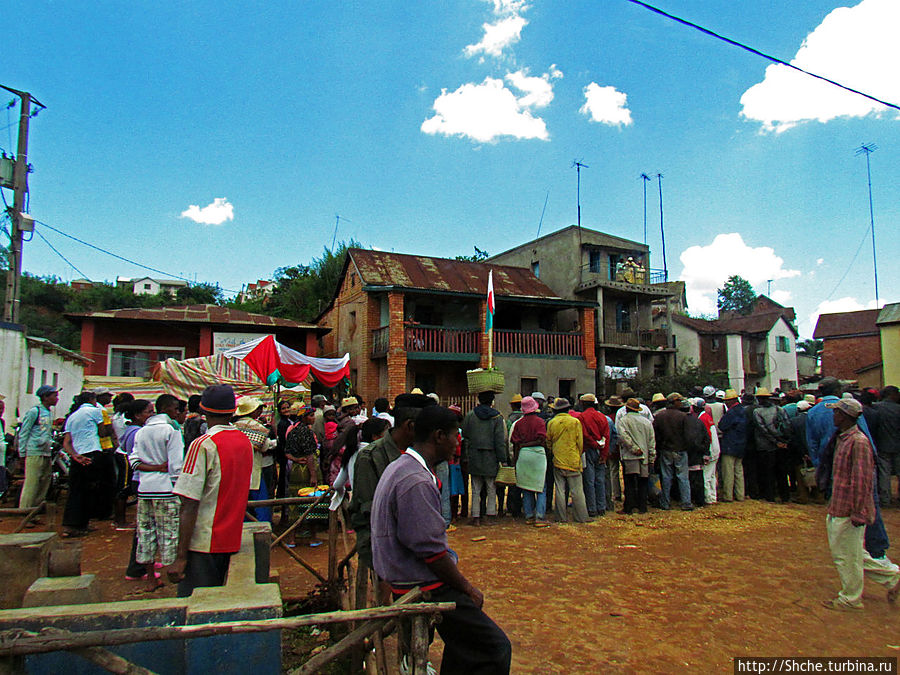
{"points": [[623, 317], [595, 258], [615, 260], [30, 388], [536, 268], [147, 287], [352, 323], [43, 377], [527, 386], [715, 344], [127, 361], [782, 344], [674, 342], [55, 379], [567, 389]]}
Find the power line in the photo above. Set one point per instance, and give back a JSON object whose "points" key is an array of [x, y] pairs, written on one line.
{"points": [[122, 258], [69, 262], [747, 48], [850, 266]]}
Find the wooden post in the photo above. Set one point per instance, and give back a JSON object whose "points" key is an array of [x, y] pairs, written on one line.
{"points": [[29, 516], [419, 644], [299, 521]]}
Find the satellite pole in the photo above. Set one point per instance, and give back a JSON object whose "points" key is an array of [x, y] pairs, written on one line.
{"points": [[337, 221], [868, 149], [645, 178], [769, 287], [578, 164], [662, 227]]}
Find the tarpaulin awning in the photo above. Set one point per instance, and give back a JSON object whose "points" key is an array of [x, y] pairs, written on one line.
{"points": [[192, 376], [273, 363]]}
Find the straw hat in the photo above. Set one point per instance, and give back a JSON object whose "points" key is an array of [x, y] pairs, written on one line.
{"points": [[633, 405], [247, 405], [730, 395], [614, 402], [674, 397], [347, 402], [588, 398], [763, 392], [516, 398], [657, 398], [560, 404]]}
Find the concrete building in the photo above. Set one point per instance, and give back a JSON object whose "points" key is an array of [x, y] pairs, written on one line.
{"points": [[262, 288], [26, 363], [615, 275], [758, 349], [852, 343], [150, 286], [416, 321], [129, 342], [889, 329]]}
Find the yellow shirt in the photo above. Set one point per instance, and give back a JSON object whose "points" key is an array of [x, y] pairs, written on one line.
{"points": [[106, 442], [566, 441]]}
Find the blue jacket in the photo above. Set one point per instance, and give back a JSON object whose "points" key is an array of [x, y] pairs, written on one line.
{"points": [[733, 426], [820, 428]]}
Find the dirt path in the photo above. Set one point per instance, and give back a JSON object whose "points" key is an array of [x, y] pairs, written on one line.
{"points": [[661, 593]]}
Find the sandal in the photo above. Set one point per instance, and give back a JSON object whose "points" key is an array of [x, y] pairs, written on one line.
{"points": [[541, 523], [840, 606]]}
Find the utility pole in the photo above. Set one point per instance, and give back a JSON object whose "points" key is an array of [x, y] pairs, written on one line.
{"points": [[337, 221], [645, 178], [20, 188], [578, 165], [769, 287], [662, 228], [868, 149]]}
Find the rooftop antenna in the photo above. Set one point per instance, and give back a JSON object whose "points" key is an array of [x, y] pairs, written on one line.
{"points": [[541, 221], [578, 164], [646, 179], [868, 149], [337, 221], [662, 228], [769, 287]]}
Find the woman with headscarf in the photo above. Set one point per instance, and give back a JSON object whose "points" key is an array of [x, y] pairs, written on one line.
{"points": [[529, 440]]}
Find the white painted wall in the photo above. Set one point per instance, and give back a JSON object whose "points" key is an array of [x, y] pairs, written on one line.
{"points": [[734, 345], [780, 365], [139, 287], [17, 357], [687, 344]]}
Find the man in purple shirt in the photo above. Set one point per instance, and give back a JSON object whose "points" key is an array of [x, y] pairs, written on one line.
{"points": [[409, 548]]}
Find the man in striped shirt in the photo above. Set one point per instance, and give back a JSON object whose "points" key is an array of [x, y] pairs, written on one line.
{"points": [[213, 487]]}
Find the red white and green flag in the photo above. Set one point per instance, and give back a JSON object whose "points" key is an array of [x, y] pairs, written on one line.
{"points": [[491, 308]]}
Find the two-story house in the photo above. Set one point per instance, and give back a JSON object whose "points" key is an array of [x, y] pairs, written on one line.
{"points": [[614, 274], [417, 321]]}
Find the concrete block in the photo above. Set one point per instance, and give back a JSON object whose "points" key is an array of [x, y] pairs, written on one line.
{"points": [[65, 560], [23, 558], [47, 591]]}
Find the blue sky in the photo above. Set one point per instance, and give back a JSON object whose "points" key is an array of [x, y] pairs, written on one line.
{"points": [[433, 127]]}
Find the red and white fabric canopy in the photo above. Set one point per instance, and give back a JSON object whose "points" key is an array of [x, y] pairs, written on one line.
{"points": [[273, 362]]}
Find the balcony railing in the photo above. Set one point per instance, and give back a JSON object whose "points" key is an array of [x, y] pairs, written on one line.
{"points": [[627, 274], [652, 338], [537, 343], [442, 340], [381, 340]]}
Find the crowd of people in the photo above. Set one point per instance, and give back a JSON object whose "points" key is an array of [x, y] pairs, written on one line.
{"points": [[412, 472]]}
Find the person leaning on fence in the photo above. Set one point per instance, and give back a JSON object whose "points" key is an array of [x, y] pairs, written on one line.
{"points": [[213, 487], [409, 546]]}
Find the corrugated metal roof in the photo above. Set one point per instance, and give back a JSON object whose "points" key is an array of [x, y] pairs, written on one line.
{"points": [[841, 324], [751, 323], [889, 314], [381, 268], [213, 314]]}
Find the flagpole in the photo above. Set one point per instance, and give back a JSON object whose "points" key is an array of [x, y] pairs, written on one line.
{"points": [[491, 348]]}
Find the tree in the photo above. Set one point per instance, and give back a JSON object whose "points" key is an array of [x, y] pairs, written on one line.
{"points": [[736, 296], [478, 256]]}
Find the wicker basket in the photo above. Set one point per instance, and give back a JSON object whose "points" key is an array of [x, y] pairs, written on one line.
{"points": [[484, 380]]}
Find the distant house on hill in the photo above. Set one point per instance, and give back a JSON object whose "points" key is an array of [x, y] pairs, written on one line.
{"points": [[852, 345], [418, 321], [128, 342], [262, 288], [81, 284], [756, 349], [150, 286]]}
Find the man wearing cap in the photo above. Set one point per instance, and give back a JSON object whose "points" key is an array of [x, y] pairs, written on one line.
{"points": [[770, 435], [637, 446], [247, 420], [318, 402], [852, 507], [613, 485], [565, 441], [798, 452], [670, 432], [213, 486], [34, 436], [484, 444], [595, 429]]}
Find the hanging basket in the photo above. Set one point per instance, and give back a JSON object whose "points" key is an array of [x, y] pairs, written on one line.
{"points": [[480, 380]]}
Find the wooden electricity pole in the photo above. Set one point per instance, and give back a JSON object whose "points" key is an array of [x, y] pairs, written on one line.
{"points": [[20, 188]]}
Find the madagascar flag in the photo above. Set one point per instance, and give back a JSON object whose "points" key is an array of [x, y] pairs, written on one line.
{"points": [[491, 308]]}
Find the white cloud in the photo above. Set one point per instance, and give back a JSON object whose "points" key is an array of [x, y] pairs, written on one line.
{"points": [[212, 214], [781, 297], [498, 36], [504, 7], [538, 90], [856, 46], [555, 73], [706, 268], [606, 105], [846, 304], [484, 112], [819, 261]]}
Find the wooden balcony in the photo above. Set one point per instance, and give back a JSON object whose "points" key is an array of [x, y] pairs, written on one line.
{"points": [[381, 340], [537, 343], [647, 338], [458, 342]]}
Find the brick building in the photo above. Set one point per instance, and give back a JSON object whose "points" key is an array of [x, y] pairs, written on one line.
{"points": [[128, 342], [852, 343], [415, 321]]}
